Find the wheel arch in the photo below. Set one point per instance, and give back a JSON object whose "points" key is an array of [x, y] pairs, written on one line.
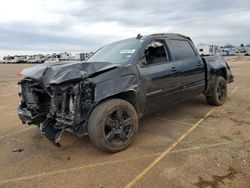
{"points": [[221, 72], [129, 96], [126, 87], [213, 74]]}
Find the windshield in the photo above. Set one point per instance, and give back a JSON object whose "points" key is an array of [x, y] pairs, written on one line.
{"points": [[118, 52]]}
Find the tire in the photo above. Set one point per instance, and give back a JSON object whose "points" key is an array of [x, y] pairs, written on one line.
{"points": [[218, 94], [112, 125]]}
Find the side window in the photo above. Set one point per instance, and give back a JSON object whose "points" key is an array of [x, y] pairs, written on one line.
{"points": [[181, 49], [155, 53]]}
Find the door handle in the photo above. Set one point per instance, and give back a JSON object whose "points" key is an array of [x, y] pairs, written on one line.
{"points": [[173, 69], [199, 64]]}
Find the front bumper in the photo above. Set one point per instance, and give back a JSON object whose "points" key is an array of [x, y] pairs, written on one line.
{"points": [[46, 125]]}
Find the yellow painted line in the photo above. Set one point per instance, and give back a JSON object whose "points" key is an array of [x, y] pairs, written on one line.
{"points": [[233, 90], [53, 173], [182, 122], [11, 134], [205, 146], [8, 94], [174, 121], [168, 150]]}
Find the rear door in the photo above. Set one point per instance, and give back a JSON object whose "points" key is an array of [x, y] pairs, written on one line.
{"points": [[190, 65], [160, 76]]}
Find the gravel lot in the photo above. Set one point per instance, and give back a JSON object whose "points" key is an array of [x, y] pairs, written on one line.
{"points": [[177, 147]]}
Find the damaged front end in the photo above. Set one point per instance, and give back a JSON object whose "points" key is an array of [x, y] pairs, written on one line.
{"points": [[35, 102], [57, 108]]}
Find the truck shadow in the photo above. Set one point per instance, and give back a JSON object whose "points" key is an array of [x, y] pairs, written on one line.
{"points": [[153, 136], [153, 130]]}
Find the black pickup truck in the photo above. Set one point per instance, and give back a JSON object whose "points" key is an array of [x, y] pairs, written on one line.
{"points": [[105, 96]]}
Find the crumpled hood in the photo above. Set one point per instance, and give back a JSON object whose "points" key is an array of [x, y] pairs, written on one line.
{"points": [[58, 73]]}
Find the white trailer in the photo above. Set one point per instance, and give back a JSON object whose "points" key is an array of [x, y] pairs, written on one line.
{"points": [[208, 49]]}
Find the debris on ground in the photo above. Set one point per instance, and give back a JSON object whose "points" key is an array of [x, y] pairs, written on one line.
{"points": [[18, 150]]}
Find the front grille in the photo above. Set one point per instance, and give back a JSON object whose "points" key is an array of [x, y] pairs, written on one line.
{"points": [[28, 95], [35, 96]]}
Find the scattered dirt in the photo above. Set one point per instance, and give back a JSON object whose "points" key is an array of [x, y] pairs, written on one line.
{"points": [[228, 115], [239, 122], [226, 137], [217, 180]]}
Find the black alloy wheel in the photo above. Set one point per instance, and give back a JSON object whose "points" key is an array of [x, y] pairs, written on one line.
{"points": [[118, 126], [221, 91], [112, 125], [218, 93]]}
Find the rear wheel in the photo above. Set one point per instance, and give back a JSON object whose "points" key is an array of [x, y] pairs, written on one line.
{"points": [[218, 94], [112, 125]]}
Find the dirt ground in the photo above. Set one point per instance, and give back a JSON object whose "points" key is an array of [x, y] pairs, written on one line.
{"points": [[177, 147]]}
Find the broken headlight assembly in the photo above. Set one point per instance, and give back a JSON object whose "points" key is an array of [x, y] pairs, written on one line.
{"points": [[20, 93], [70, 103]]}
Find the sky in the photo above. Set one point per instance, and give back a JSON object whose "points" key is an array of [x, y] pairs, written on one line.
{"points": [[31, 26]]}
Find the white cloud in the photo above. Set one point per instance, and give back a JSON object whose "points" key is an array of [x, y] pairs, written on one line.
{"points": [[86, 25], [38, 11]]}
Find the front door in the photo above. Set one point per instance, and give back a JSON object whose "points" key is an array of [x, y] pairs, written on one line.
{"points": [[161, 78]]}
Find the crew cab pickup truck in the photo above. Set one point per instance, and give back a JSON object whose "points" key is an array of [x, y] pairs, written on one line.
{"points": [[105, 96]]}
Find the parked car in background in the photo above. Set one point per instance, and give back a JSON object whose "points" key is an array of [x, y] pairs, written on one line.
{"points": [[226, 52], [247, 54]]}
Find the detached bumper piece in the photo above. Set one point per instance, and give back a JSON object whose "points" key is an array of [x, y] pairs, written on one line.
{"points": [[49, 131], [48, 127]]}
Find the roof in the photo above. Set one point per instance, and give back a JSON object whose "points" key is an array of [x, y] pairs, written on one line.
{"points": [[168, 35]]}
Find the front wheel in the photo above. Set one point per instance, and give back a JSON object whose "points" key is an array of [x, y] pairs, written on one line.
{"points": [[218, 94], [112, 125]]}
